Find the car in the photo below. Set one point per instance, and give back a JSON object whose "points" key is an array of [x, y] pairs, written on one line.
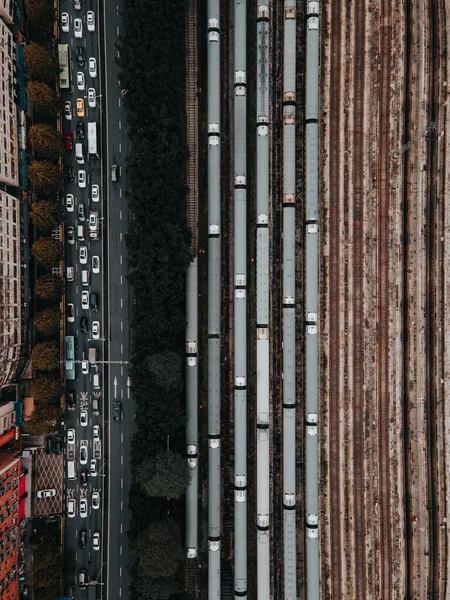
{"points": [[80, 81], [82, 178], [84, 413], [77, 4], [96, 264], [83, 508], [70, 204], [69, 173], [90, 21], [85, 300], [96, 541], [71, 508], [68, 140], [114, 173], [70, 313], [84, 324], [79, 56], [71, 401], [80, 130], [96, 500], [78, 28], [83, 255], [85, 367], [96, 432], [92, 68], [82, 575], [91, 97], [82, 212], [83, 455], [95, 330], [80, 108], [93, 467], [117, 410], [95, 193], [46, 493], [84, 478], [93, 221], [82, 538], [68, 110], [65, 22], [71, 235], [71, 436]]}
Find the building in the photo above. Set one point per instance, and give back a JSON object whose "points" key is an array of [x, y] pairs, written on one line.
{"points": [[12, 507], [8, 418], [6, 11], [9, 149]]}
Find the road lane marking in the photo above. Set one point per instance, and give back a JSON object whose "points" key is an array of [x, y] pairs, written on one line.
{"points": [[121, 348], [118, 53], [121, 460], [119, 102], [121, 437], [121, 326], [121, 370], [121, 505], [120, 192], [121, 483], [120, 215], [120, 589], [121, 303], [120, 124], [120, 570], [118, 30], [121, 259], [120, 147], [121, 237], [121, 280], [121, 531]]}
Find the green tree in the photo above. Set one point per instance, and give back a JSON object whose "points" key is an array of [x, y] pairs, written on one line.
{"points": [[47, 251], [46, 388], [157, 589], [46, 141], [43, 100], [44, 214], [167, 370], [159, 549], [49, 287], [47, 565], [43, 420], [45, 356], [165, 475], [45, 177], [48, 321], [40, 64]]}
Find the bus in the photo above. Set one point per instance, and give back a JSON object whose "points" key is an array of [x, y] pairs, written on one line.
{"points": [[69, 348], [92, 140], [64, 67]]}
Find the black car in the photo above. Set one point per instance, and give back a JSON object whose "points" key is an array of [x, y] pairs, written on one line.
{"points": [[79, 53], [84, 325], [83, 478], [69, 175], [71, 400], [80, 130], [82, 539], [94, 302], [117, 410]]}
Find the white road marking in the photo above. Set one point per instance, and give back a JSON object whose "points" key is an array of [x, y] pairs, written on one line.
{"points": [[119, 102], [121, 303], [121, 505], [121, 259], [120, 215], [121, 236], [120, 570], [120, 147], [120, 124], [121, 326], [121, 460], [121, 483], [121, 348], [121, 370], [120, 192], [118, 30], [121, 438], [121, 279], [121, 531], [120, 591], [118, 52], [121, 550]]}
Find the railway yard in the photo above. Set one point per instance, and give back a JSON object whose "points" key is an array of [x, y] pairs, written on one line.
{"points": [[317, 300]]}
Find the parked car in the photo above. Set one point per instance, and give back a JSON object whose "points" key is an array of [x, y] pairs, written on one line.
{"points": [[96, 432], [83, 538], [68, 110], [70, 204], [80, 81], [85, 368], [114, 173], [96, 264], [83, 255], [84, 478], [77, 4], [85, 300], [46, 493], [71, 436], [91, 97], [71, 508], [93, 467], [69, 173], [84, 324], [83, 455], [117, 410], [95, 193], [90, 21], [92, 68], [82, 178], [96, 541], [68, 140], [96, 500], [80, 108], [79, 55], [70, 313], [84, 416], [71, 235], [65, 22], [95, 330], [82, 212], [80, 130], [78, 28]]}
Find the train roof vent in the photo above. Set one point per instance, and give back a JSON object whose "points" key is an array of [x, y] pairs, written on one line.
{"points": [[214, 230], [289, 12], [263, 11], [239, 294], [289, 199], [311, 329], [240, 481], [262, 219], [263, 520], [312, 228], [289, 499], [311, 317], [313, 23]]}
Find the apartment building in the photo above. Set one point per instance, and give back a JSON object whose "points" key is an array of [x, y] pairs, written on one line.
{"points": [[6, 10], [9, 147]]}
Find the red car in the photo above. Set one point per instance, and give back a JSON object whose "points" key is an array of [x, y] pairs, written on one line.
{"points": [[69, 140]]}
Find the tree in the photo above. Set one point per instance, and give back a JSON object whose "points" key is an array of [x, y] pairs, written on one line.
{"points": [[45, 356], [48, 321], [46, 141], [47, 251], [41, 13], [45, 177], [43, 420], [166, 368], [40, 64], [165, 475], [159, 549], [46, 388], [45, 214], [47, 565], [156, 589], [49, 287], [42, 99]]}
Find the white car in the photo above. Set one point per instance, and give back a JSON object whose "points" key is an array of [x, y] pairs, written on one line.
{"points": [[83, 417], [68, 110], [85, 300], [90, 20], [96, 264], [70, 203], [83, 255], [96, 432], [65, 22], [96, 541], [71, 508], [93, 221], [71, 436], [78, 28], [83, 508], [46, 493], [85, 367], [70, 313], [83, 455], [93, 467], [82, 178], [92, 67], [91, 97], [95, 193], [80, 81], [95, 330], [96, 500]]}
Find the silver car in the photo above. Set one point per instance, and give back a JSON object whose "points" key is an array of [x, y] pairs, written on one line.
{"points": [[78, 28]]}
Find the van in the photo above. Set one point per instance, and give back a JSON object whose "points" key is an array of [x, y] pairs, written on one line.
{"points": [[71, 471], [80, 233], [95, 406], [79, 153], [96, 382], [85, 277], [94, 302], [70, 273]]}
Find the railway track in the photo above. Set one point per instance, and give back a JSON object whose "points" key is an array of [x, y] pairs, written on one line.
{"points": [[334, 307], [383, 305], [358, 301]]}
